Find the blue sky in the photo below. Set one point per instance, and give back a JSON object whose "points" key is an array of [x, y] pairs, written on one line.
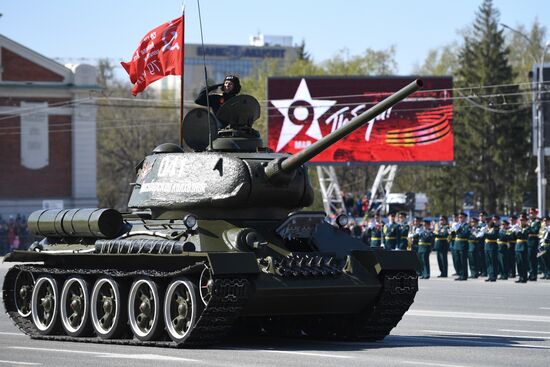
{"points": [[102, 28]]}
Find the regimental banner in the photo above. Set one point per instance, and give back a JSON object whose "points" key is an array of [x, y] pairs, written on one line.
{"points": [[418, 129], [160, 53], [34, 135]]}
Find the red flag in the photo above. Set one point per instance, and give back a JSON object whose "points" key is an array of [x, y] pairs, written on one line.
{"points": [[160, 53]]}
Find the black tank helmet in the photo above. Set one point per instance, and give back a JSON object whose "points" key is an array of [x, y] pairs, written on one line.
{"points": [[236, 83]]}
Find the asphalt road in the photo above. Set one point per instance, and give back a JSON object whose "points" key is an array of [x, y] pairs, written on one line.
{"points": [[451, 324]]}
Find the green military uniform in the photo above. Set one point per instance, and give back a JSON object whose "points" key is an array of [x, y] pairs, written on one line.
{"points": [[376, 235], [473, 254], [546, 252], [454, 252], [512, 266], [391, 235], [441, 246], [543, 268], [481, 264], [491, 252], [414, 240], [415, 230], [365, 237], [503, 242], [425, 240], [521, 253], [402, 240], [532, 249], [462, 234]]}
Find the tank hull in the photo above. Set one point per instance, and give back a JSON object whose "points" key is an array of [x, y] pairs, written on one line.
{"points": [[334, 303]]}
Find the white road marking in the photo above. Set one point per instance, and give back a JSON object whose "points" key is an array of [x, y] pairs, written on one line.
{"points": [[22, 363], [480, 334], [307, 354], [461, 341], [544, 308], [151, 357], [424, 363], [525, 331], [148, 357], [477, 315], [15, 334]]}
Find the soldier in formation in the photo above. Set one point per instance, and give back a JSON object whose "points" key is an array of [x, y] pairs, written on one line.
{"points": [[533, 244], [503, 244], [521, 233], [376, 231], [474, 241], [402, 241], [441, 245], [491, 250], [390, 233], [514, 224], [481, 228], [522, 244], [545, 247], [461, 234], [452, 247], [425, 239]]}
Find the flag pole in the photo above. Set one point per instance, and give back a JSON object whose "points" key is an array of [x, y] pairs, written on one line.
{"points": [[182, 71], [205, 79]]}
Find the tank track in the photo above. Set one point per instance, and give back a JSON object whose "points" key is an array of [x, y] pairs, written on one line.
{"points": [[229, 296], [398, 292], [374, 323]]}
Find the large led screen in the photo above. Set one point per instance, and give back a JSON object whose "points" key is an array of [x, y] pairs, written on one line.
{"points": [[418, 129]]}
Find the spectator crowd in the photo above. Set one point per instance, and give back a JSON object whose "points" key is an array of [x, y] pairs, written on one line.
{"points": [[14, 233]]}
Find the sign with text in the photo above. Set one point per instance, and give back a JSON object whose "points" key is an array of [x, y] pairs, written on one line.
{"points": [[418, 129], [34, 135]]}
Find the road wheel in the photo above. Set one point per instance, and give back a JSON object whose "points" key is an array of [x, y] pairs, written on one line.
{"points": [[24, 284], [144, 309], [75, 305], [44, 305], [181, 309], [108, 308]]}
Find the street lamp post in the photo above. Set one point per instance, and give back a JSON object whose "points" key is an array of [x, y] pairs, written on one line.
{"points": [[541, 179], [537, 103]]}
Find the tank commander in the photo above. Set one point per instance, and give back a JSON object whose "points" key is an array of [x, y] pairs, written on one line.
{"points": [[230, 87]]}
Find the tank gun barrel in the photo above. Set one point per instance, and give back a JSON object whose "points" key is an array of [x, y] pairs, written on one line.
{"points": [[291, 163]]}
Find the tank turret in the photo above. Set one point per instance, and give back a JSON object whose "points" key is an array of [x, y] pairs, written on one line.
{"points": [[233, 175]]}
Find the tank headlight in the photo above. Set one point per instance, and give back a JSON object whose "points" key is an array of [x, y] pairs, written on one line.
{"points": [[342, 220], [190, 221]]}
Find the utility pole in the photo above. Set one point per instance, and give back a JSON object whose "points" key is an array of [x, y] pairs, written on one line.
{"points": [[541, 179]]}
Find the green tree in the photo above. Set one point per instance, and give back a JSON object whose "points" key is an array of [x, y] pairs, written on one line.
{"points": [[372, 62], [526, 47], [302, 53], [491, 144], [442, 61]]}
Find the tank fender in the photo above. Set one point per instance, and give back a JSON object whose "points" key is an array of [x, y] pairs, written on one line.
{"points": [[223, 263], [387, 260]]}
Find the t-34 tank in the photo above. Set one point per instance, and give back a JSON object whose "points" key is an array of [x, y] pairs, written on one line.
{"points": [[214, 241]]}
